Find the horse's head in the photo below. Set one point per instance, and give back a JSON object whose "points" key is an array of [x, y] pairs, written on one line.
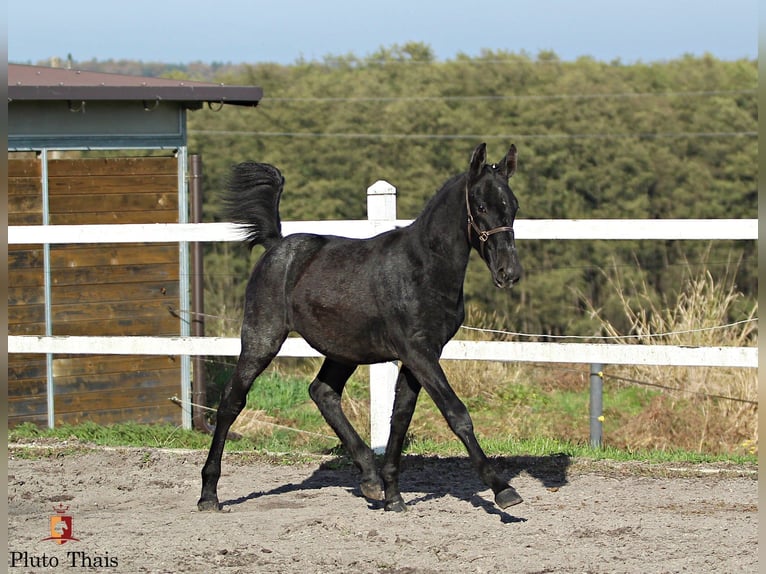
{"points": [[492, 208]]}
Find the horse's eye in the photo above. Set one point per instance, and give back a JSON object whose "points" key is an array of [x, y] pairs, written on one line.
{"points": [[481, 208]]}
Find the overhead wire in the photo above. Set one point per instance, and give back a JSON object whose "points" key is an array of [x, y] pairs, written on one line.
{"points": [[613, 337], [403, 136]]}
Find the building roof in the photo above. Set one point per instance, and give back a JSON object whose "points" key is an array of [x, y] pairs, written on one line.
{"points": [[35, 83]]}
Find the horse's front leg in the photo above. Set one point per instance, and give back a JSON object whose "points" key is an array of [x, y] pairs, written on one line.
{"points": [[407, 389], [425, 366], [326, 391]]}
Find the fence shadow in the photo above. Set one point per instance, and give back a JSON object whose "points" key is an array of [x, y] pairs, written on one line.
{"points": [[437, 477]]}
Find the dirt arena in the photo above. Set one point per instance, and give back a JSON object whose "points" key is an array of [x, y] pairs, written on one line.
{"points": [[134, 510]]}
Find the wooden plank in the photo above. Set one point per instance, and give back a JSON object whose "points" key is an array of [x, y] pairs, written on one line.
{"points": [[125, 201], [15, 420], [111, 311], [30, 294], [26, 278], [153, 414], [167, 291], [78, 365], [130, 389], [27, 408], [114, 217], [23, 367], [24, 193], [89, 404], [22, 314], [23, 258], [84, 276], [27, 387], [25, 187], [113, 254], [25, 287], [25, 295], [30, 388], [25, 219], [126, 383], [112, 166], [25, 208], [30, 329], [28, 167], [107, 185], [145, 326]]}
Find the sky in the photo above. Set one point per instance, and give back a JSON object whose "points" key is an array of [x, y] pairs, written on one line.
{"points": [[284, 31]]}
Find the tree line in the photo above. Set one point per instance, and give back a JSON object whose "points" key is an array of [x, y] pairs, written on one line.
{"points": [[657, 140]]}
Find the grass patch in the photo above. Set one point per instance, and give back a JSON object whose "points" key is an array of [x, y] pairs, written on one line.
{"points": [[169, 436], [276, 393], [123, 434], [511, 446]]}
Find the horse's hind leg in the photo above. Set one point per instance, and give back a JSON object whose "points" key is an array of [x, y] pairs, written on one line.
{"points": [[233, 398], [326, 391]]}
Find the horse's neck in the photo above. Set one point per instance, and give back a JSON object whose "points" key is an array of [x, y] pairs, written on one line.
{"points": [[442, 225]]}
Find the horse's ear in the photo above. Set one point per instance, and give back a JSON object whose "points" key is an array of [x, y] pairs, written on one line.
{"points": [[478, 159], [508, 165]]}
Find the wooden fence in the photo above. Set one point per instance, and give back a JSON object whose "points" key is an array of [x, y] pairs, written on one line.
{"points": [[381, 208]]}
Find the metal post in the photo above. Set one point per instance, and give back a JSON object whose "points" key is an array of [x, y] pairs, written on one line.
{"points": [[596, 404], [50, 388], [381, 212], [199, 391], [184, 274]]}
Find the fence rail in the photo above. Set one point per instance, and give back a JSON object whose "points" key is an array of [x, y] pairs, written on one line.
{"points": [[607, 229], [381, 207], [503, 351]]}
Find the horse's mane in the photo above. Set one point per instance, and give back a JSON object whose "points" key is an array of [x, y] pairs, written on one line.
{"points": [[438, 197]]}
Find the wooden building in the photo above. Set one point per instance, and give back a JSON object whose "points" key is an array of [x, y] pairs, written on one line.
{"points": [[92, 148]]}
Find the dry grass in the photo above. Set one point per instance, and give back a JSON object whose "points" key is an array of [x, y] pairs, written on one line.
{"points": [[690, 418]]}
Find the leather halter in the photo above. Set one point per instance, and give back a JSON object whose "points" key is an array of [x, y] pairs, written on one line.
{"points": [[482, 235]]}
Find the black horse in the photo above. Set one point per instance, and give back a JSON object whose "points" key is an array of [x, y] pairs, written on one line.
{"points": [[395, 296]]}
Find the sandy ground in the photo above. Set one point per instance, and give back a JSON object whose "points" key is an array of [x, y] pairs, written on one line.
{"points": [[134, 510]]}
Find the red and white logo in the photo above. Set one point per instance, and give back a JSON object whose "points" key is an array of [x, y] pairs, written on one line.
{"points": [[61, 526]]}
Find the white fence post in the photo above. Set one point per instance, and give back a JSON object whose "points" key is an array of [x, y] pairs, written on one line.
{"points": [[381, 212]]}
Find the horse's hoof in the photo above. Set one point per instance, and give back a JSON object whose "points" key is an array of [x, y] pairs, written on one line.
{"points": [[208, 505], [372, 489], [396, 506], [508, 497]]}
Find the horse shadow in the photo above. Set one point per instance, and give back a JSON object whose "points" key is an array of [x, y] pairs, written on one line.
{"points": [[436, 476]]}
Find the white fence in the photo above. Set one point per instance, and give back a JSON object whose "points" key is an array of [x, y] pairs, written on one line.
{"points": [[381, 209]]}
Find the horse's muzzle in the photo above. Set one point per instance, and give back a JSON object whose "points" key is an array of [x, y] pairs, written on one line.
{"points": [[505, 267], [505, 279]]}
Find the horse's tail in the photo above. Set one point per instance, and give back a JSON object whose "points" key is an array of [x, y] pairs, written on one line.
{"points": [[252, 202]]}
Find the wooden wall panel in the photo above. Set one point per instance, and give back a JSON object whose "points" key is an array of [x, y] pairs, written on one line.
{"points": [[110, 289], [125, 166], [25, 199], [27, 399], [167, 291]]}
